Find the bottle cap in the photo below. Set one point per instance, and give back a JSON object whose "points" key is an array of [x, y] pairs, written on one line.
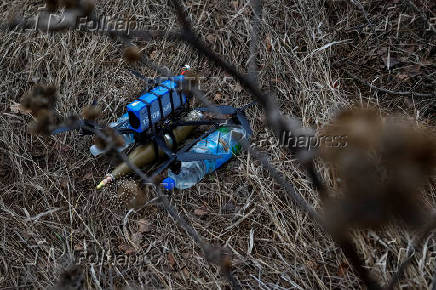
{"points": [[169, 183]]}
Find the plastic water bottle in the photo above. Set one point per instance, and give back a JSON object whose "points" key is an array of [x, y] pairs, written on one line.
{"points": [[122, 122], [146, 154], [223, 142]]}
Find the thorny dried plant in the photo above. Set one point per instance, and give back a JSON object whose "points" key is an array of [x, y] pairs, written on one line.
{"points": [[44, 123], [40, 102], [91, 113], [40, 97], [133, 195], [132, 54], [111, 137], [71, 279], [382, 169]]}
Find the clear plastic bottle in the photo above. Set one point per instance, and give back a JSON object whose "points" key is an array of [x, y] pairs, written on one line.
{"points": [[221, 142], [190, 174], [145, 154]]}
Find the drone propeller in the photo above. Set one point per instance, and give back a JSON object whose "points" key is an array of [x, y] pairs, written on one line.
{"points": [[80, 124], [138, 75], [197, 123], [230, 110], [148, 81], [244, 121], [223, 109], [63, 129]]}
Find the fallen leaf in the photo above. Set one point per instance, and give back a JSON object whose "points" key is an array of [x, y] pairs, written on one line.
{"points": [[312, 265], [126, 249], [211, 38], [171, 260], [268, 43], [88, 176], [218, 97], [412, 70], [144, 226], [335, 84], [186, 272], [276, 80], [342, 270], [403, 77], [154, 54], [200, 211]]}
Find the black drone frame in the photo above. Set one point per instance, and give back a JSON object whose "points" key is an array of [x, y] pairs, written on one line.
{"points": [[158, 130]]}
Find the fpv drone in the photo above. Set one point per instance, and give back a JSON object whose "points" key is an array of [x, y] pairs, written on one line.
{"points": [[157, 111]]}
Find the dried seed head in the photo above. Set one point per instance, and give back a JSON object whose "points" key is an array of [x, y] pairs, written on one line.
{"points": [[52, 5], [218, 256], [113, 136], [44, 122], [132, 194], [71, 279], [87, 6], [132, 54], [403, 143], [91, 112], [71, 4], [382, 168], [360, 128], [39, 98]]}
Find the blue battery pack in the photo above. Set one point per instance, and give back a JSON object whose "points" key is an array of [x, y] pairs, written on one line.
{"points": [[155, 105]]}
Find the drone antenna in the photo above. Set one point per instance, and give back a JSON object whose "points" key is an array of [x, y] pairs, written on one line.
{"points": [[185, 68]]}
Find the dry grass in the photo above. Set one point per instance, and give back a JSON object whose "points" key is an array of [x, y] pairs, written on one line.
{"points": [[273, 244]]}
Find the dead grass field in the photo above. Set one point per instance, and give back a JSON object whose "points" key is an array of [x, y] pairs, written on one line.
{"points": [[317, 57]]}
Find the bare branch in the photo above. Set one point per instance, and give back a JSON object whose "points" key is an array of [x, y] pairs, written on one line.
{"points": [[255, 31]]}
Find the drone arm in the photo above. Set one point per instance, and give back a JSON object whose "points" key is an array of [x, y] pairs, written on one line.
{"points": [[197, 123]]}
